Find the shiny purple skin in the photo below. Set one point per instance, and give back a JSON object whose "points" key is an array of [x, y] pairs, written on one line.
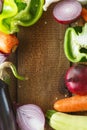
{"points": [[7, 117], [76, 79]]}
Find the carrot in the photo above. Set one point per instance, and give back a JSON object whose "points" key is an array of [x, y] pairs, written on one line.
{"points": [[84, 14], [8, 42], [71, 104]]}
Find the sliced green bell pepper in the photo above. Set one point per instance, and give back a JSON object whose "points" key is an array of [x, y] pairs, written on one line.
{"points": [[30, 14], [75, 43], [19, 12], [9, 10]]}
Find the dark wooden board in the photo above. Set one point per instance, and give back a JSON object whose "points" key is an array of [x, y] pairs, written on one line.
{"points": [[41, 58]]}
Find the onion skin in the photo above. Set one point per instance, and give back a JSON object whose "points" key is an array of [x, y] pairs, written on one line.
{"points": [[76, 79], [66, 22], [3, 57], [30, 117], [67, 11]]}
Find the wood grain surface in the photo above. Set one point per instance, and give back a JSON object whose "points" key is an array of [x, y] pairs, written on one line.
{"points": [[41, 58]]}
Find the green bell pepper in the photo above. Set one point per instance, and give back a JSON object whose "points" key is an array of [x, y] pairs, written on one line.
{"points": [[9, 10], [30, 14], [25, 13], [75, 44]]}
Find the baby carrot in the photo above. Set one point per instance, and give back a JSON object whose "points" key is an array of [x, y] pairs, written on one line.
{"points": [[84, 14], [8, 42], [71, 104]]}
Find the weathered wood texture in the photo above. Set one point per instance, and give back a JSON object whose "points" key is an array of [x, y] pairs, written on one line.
{"points": [[41, 58]]}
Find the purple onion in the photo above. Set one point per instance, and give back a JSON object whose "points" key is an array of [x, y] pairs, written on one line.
{"points": [[30, 117], [67, 11], [3, 57], [76, 79]]}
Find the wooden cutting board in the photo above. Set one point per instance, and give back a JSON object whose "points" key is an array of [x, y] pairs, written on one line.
{"points": [[40, 57]]}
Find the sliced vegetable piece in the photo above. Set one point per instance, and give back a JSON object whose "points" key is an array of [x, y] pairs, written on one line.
{"points": [[30, 14], [9, 10], [75, 44], [67, 11], [24, 13], [71, 104], [30, 117], [62, 121], [8, 42]]}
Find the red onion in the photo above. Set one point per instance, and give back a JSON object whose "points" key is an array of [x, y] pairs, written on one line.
{"points": [[30, 117], [67, 11], [76, 79]]}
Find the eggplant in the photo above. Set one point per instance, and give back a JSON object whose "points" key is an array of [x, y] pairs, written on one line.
{"points": [[7, 116]]}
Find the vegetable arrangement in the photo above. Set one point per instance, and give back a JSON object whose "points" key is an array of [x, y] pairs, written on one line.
{"points": [[15, 13], [75, 80], [75, 48]]}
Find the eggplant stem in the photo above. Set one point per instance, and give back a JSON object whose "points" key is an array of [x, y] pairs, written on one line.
{"points": [[13, 68]]}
